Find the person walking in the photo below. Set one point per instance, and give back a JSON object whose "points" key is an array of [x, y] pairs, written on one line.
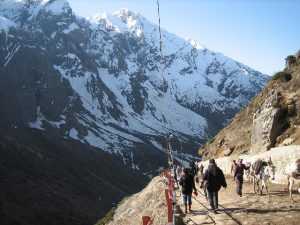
{"points": [[239, 176], [200, 177], [201, 170], [179, 172], [175, 174], [233, 166], [193, 168], [187, 186], [214, 179]]}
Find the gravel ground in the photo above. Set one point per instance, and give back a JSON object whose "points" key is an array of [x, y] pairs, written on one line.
{"points": [[250, 209]]}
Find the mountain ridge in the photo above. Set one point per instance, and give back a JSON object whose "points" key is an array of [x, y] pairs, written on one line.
{"points": [[112, 93]]}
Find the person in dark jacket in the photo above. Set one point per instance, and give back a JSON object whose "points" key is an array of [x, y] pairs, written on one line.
{"points": [[188, 185], [194, 169], [214, 179], [239, 176]]}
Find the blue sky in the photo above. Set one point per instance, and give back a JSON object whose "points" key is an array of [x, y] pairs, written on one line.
{"points": [[258, 33]]}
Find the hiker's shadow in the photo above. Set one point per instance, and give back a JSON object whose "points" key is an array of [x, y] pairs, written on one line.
{"points": [[199, 212], [272, 193], [279, 193], [263, 211], [231, 210], [226, 210]]}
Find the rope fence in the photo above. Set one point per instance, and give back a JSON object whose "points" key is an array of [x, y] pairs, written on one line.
{"points": [[170, 195]]}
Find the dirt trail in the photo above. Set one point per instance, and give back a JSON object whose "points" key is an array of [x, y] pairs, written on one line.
{"points": [[247, 210]]}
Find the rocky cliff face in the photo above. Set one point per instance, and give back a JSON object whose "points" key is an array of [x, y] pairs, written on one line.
{"points": [[99, 81], [271, 119], [266, 125]]}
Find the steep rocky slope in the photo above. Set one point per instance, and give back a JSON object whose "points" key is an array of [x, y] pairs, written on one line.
{"points": [[271, 119], [149, 202], [48, 180], [99, 81]]}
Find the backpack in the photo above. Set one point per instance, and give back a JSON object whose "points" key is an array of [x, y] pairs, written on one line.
{"points": [[257, 166], [298, 166], [193, 169]]}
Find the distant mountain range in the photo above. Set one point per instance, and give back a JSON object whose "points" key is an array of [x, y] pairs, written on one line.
{"points": [[102, 80]]}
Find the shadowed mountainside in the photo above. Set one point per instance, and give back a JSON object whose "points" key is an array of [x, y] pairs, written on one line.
{"points": [[50, 181]]}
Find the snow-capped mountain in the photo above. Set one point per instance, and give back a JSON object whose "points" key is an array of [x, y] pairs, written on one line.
{"points": [[102, 80]]}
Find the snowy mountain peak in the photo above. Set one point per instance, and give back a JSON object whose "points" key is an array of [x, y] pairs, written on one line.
{"points": [[126, 14], [33, 2], [195, 44], [120, 21], [57, 7], [102, 80], [18, 10]]}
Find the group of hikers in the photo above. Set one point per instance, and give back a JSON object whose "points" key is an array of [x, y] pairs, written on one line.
{"points": [[212, 179]]}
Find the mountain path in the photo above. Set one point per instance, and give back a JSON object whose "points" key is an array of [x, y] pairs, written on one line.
{"points": [[250, 209]]}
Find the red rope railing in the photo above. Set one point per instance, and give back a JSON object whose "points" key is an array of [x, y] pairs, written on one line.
{"points": [[170, 200], [169, 193], [147, 220]]}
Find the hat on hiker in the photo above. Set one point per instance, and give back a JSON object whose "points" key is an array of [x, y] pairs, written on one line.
{"points": [[212, 161], [186, 170]]}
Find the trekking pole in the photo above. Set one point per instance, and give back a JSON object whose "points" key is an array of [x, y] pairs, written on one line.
{"points": [[181, 151]]}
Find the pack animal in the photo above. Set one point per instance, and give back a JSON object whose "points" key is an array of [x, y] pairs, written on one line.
{"points": [[294, 179], [261, 173]]}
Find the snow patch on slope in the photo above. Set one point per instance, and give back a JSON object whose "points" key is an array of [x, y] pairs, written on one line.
{"points": [[15, 9], [6, 24], [72, 27], [167, 114]]}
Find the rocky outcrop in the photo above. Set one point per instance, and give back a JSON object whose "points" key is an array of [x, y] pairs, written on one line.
{"points": [[271, 119], [291, 60], [266, 124]]}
